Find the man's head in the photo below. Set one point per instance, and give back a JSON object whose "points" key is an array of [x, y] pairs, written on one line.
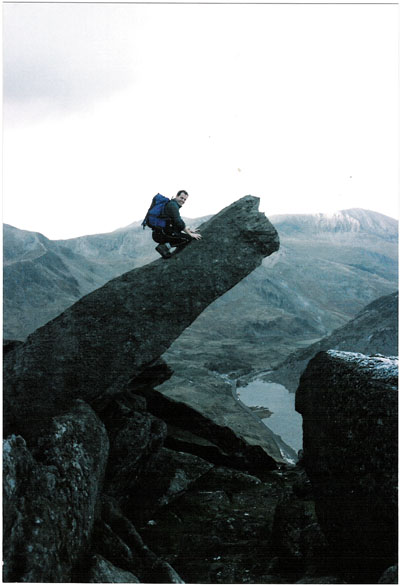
{"points": [[181, 197]]}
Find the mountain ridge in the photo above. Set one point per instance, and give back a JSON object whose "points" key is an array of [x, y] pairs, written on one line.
{"points": [[348, 220]]}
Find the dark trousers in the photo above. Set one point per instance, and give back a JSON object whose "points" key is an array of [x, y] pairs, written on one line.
{"points": [[178, 239]]}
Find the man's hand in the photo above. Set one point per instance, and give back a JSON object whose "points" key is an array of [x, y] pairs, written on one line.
{"points": [[193, 233]]}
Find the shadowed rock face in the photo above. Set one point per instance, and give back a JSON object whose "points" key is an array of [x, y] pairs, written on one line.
{"points": [[349, 406], [50, 497], [106, 338]]}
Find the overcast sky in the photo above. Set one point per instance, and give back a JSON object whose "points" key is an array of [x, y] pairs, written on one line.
{"points": [[107, 104]]}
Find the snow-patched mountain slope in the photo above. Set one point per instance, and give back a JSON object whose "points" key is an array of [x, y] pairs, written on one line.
{"points": [[344, 221]]}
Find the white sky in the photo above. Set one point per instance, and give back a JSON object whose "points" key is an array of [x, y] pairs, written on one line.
{"points": [[107, 104]]}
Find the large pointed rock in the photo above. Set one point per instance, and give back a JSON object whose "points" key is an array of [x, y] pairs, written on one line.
{"points": [[104, 339]]}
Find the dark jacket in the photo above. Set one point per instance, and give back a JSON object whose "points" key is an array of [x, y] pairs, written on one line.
{"points": [[176, 223]]}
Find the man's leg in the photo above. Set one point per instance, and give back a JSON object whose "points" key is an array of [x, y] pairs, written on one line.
{"points": [[166, 241], [163, 248], [178, 239]]}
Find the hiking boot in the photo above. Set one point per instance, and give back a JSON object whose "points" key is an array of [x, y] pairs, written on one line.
{"points": [[163, 250]]}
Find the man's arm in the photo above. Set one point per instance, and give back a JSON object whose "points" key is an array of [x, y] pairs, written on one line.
{"points": [[172, 210]]}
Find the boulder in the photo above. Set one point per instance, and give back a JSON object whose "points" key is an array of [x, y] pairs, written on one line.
{"points": [[349, 406], [50, 497], [102, 341]]}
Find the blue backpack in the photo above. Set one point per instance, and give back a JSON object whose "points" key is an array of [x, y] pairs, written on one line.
{"points": [[155, 217]]}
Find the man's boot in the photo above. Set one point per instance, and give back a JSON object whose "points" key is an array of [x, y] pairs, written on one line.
{"points": [[163, 250]]}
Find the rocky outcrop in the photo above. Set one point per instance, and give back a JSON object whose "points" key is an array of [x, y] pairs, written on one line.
{"points": [[172, 517], [50, 497], [107, 337], [125, 467], [349, 406], [135, 437], [83, 483]]}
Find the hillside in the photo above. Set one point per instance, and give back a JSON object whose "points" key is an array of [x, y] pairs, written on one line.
{"points": [[373, 331]]}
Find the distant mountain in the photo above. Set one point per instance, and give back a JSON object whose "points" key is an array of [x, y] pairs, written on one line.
{"points": [[373, 331], [42, 277], [353, 220], [327, 269]]}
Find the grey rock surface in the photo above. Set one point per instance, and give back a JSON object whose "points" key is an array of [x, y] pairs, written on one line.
{"points": [[50, 497], [349, 406], [222, 529], [105, 339], [135, 436], [104, 572], [168, 476], [118, 541]]}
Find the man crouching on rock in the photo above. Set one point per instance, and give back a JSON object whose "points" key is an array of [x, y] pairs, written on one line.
{"points": [[176, 233]]}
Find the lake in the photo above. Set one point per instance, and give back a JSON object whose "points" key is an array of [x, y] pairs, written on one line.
{"points": [[284, 420]]}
